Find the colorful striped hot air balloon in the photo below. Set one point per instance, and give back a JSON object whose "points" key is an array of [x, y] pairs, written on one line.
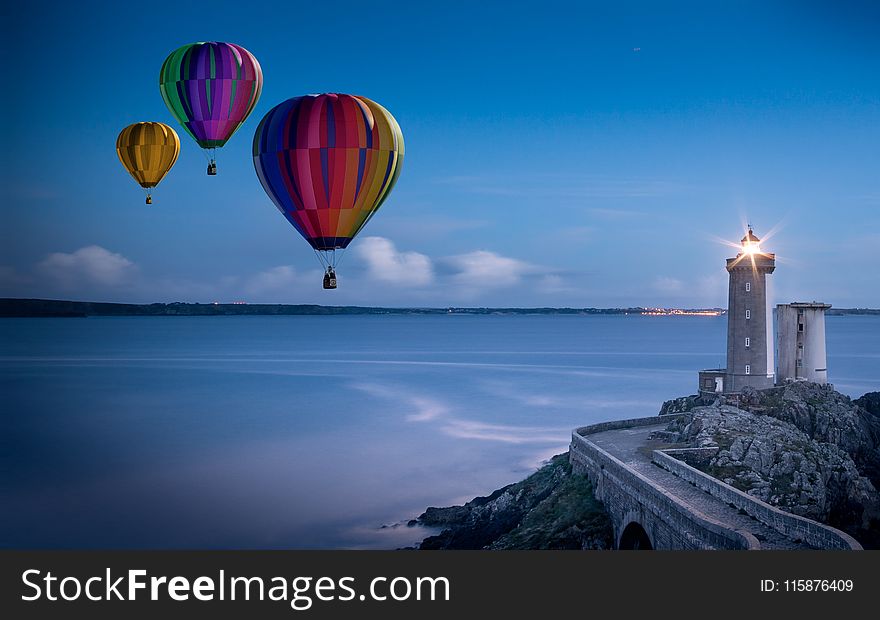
{"points": [[148, 151], [328, 162], [211, 88]]}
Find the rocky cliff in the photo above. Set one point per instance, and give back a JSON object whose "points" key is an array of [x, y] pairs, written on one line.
{"points": [[802, 447], [551, 509]]}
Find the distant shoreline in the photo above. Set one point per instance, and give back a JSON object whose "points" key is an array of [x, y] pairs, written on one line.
{"points": [[34, 308]]}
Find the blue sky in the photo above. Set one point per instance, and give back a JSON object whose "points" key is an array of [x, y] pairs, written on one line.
{"points": [[580, 154]]}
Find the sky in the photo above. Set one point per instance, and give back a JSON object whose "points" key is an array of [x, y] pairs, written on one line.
{"points": [[585, 154]]}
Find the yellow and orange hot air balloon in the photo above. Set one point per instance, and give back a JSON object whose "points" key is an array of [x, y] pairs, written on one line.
{"points": [[148, 151]]}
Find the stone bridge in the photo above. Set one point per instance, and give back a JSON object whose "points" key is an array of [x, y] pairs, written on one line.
{"points": [[659, 501]]}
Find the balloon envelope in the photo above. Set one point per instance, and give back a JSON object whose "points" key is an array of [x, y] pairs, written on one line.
{"points": [[211, 88], [148, 151], [328, 162]]}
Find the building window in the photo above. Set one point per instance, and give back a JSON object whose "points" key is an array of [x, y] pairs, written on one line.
{"points": [[800, 326], [748, 369], [748, 342], [749, 315], [748, 286], [800, 363]]}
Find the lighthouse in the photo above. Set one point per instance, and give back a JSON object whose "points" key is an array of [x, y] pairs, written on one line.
{"points": [[749, 318], [749, 323]]}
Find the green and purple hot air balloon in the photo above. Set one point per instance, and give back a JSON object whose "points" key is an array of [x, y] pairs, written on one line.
{"points": [[211, 88]]}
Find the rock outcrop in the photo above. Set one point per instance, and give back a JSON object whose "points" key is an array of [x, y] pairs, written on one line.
{"points": [[826, 416], [870, 402], [682, 404], [551, 509], [802, 447]]}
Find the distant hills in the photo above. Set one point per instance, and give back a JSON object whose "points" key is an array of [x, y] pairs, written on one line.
{"points": [[10, 307], [59, 308]]}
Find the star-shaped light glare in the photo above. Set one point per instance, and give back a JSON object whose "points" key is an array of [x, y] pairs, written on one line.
{"points": [[749, 247]]}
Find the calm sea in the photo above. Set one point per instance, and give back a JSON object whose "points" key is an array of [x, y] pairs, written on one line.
{"points": [[320, 432]]}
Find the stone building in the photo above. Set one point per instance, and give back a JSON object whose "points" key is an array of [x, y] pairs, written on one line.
{"points": [[800, 342], [749, 323]]}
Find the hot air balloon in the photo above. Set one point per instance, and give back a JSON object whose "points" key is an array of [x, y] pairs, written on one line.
{"points": [[148, 151], [211, 88], [328, 162]]}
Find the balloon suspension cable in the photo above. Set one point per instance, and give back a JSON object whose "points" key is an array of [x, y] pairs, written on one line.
{"points": [[324, 263], [329, 259], [341, 256]]}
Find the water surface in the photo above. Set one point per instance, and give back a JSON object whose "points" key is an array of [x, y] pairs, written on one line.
{"points": [[315, 431]]}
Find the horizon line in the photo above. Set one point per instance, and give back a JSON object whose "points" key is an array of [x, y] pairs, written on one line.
{"points": [[240, 304]]}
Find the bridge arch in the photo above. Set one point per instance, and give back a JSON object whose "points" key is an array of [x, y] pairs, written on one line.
{"points": [[634, 537]]}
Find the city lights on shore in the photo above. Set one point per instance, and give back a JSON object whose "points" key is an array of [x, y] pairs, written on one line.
{"points": [[681, 312]]}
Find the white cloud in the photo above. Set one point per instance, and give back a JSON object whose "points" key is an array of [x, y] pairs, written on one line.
{"points": [[483, 276], [385, 263], [485, 269], [89, 265]]}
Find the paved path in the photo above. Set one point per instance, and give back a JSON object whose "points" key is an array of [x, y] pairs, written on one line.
{"points": [[632, 446]]}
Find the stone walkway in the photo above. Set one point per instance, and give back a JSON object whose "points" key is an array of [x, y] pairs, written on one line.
{"points": [[632, 446]]}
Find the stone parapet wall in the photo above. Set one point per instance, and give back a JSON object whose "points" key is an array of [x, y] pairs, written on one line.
{"points": [[695, 457], [630, 423], [629, 496], [812, 532]]}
